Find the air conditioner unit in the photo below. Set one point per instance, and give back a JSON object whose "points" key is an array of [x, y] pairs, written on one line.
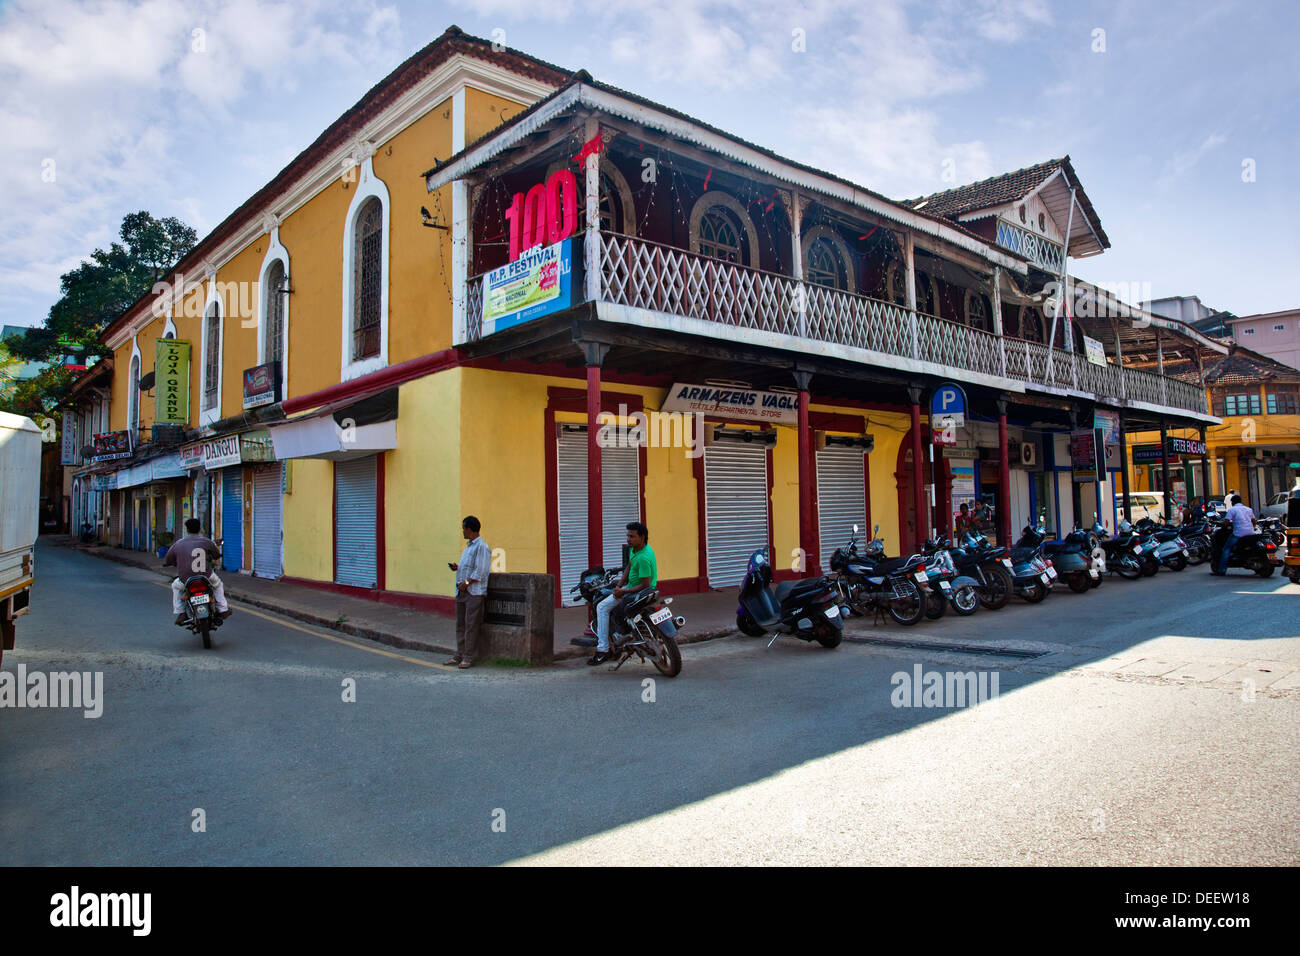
{"points": [[1028, 454]]}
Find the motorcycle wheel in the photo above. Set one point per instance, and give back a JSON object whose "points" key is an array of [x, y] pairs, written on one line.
{"points": [[748, 626], [828, 635], [1034, 593], [1095, 582], [1129, 568], [908, 610], [1198, 552], [1177, 562], [1264, 569], [206, 633], [936, 606], [965, 601], [1294, 575], [667, 658], [1150, 566], [998, 592], [1079, 582]]}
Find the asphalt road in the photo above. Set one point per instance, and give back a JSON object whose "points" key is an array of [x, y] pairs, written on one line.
{"points": [[1157, 724]]}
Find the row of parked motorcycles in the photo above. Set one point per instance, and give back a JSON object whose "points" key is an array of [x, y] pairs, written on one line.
{"points": [[972, 573]]}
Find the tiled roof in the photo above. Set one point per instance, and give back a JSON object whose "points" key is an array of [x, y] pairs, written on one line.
{"points": [[1243, 366]]}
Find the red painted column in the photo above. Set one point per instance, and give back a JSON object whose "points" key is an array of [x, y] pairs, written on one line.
{"points": [[807, 535], [1004, 479], [918, 479], [595, 505]]}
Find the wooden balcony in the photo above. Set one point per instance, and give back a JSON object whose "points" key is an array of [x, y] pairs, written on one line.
{"points": [[663, 279]]}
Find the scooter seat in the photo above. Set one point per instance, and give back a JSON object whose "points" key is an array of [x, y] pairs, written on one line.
{"points": [[787, 588]]}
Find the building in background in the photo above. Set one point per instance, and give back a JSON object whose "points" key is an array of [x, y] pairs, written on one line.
{"points": [[1275, 334]]}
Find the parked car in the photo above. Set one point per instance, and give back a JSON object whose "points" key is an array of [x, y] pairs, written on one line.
{"points": [[1143, 504], [1276, 507]]}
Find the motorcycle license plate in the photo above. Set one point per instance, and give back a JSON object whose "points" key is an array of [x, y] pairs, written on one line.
{"points": [[833, 611], [1185, 553], [1046, 580], [661, 615], [921, 576], [945, 585], [199, 599], [1051, 572], [1007, 562], [1094, 572]]}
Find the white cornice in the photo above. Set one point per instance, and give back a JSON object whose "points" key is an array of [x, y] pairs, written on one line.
{"points": [[457, 72]]}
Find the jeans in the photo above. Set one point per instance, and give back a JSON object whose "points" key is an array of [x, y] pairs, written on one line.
{"points": [[218, 594], [1227, 550], [604, 610]]}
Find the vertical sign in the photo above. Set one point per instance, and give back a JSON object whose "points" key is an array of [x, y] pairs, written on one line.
{"points": [[172, 370], [68, 455]]}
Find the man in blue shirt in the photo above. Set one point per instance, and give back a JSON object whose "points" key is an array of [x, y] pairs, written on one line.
{"points": [[471, 592], [1243, 523]]}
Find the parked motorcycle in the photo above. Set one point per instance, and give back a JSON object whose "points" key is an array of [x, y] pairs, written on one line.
{"points": [[648, 629], [1032, 572], [871, 582], [963, 590], [1073, 559], [989, 565], [808, 609], [1122, 552], [1171, 550]]}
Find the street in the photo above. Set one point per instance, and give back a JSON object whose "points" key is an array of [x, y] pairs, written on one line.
{"points": [[1144, 723]]}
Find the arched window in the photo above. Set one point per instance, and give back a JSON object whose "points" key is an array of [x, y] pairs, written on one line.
{"points": [[367, 279], [977, 311], [721, 229], [211, 357], [927, 294], [133, 395], [895, 284], [276, 290], [826, 259]]}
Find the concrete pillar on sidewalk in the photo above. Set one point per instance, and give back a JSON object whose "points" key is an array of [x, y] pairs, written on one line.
{"points": [[1004, 478], [918, 482], [807, 521]]}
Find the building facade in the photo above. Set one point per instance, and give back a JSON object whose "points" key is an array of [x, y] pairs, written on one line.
{"points": [[496, 287]]}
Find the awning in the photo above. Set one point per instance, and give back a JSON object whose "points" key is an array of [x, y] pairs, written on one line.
{"points": [[155, 469], [360, 426]]}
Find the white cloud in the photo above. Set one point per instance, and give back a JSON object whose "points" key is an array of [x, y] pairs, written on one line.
{"points": [[1185, 160]]}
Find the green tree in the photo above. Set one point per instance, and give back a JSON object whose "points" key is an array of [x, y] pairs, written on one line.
{"points": [[99, 290]]}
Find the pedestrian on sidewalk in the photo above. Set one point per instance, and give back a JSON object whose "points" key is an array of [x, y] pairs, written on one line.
{"points": [[471, 592]]}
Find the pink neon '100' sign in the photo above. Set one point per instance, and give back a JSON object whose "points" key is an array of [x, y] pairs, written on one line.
{"points": [[545, 215]]}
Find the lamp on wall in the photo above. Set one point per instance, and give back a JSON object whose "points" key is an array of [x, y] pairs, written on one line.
{"points": [[429, 221]]}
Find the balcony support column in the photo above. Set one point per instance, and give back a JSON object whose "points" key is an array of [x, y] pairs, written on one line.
{"points": [[918, 482], [1004, 478], [795, 210], [591, 242], [1123, 466], [997, 318], [594, 354], [811, 563], [1205, 466], [1164, 461], [909, 291]]}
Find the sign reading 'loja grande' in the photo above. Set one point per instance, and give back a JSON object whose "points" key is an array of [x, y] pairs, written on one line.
{"points": [[746, 404]]}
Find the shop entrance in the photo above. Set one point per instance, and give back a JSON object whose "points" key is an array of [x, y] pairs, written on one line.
{"points": [[841, 497], [620, 496], [735, 508]]}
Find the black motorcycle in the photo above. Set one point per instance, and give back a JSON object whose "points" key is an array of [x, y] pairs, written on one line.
{"points": [[871, 583], [990, 565], [647, 629], [1254, 552], [807, 609], [1123, 552]]}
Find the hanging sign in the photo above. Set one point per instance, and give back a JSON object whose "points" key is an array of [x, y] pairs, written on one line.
{"points": [[221, 452], [111, 446], [192, 455], [746, 404], [537, 284], [172, 382], [256, 446], [262, 385], [947, 413], [1108, 423], [1190, 447], [1084, 446], [68, 453], [545, 215], [1095, 351]]}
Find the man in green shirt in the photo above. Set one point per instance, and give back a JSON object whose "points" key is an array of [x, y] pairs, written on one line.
{"points": [[641, 573]]}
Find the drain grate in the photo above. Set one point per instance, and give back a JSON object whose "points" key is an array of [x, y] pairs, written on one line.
{"points": [[947, 646]]}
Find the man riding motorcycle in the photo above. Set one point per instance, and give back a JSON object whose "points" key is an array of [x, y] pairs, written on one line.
{"points": [[195, 554]]}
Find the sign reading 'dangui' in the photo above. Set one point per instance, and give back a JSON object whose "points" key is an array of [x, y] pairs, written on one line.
{"points": [[730, 401], [538, 283], [261, 385], [221, 452], [110, 446], [172, 382]]}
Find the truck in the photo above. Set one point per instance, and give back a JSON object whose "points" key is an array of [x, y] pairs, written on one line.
{"points": [[20, 482]]}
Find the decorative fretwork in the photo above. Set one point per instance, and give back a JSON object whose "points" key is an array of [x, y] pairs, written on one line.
{"points": [[1039, 250]]}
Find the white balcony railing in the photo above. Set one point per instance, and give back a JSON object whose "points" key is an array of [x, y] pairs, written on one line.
{"points": [[648, 275]]}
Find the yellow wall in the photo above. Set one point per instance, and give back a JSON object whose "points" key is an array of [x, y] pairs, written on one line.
{"points": [[309, 521], [422, 482], [888, 429], [785, 500]]}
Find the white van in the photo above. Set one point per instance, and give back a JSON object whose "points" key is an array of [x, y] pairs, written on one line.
{"points": [[1144, 504]]}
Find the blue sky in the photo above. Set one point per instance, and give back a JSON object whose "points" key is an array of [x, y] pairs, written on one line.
{"points": [[110, 107]]}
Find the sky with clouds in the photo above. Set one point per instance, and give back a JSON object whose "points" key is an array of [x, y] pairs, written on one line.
{"points": [[187, 107]]}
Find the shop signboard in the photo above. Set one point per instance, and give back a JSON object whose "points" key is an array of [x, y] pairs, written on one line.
{"points": [[103, 482], [256, 445], [947, 413], [728, 401], [1190, 447], [262, 385], [538, 283], [112, 446], [68, 453], [1108, 423], [192, 455], [172, 382], [1084, 446], [221, 452]]}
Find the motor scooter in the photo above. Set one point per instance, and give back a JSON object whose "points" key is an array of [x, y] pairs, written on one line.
{"points": [[807, 609]]}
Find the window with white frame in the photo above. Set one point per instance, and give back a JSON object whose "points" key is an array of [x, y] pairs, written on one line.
{"points": [[721, 229], [133, 394], [1247, 331], [211, 357], [977, 310], [367, 279], [826, 259], [1279, 328], [273, 334], [895, 282]]}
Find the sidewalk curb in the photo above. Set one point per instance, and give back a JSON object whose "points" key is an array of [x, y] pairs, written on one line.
{"points": [[235, 594]]}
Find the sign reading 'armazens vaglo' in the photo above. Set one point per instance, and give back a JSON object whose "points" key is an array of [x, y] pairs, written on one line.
{"points": [[729, 401]]}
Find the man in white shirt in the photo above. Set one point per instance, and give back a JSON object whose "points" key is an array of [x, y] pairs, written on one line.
{"points": [[471, 592], [1242, 520]]}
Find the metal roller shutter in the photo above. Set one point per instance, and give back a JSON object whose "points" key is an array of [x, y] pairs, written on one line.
{"points": [[232, 519], [116, 527], [266, 521], [735, 506], [354, 527], [841, 498], [620, 482]]}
